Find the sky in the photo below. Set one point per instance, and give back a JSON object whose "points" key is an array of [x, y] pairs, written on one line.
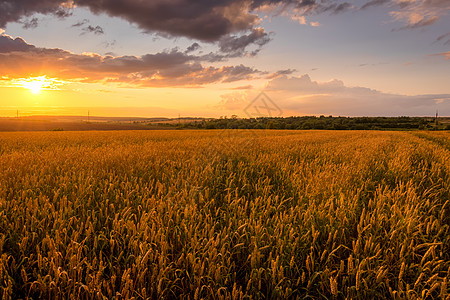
{"points": [[212, 58]]}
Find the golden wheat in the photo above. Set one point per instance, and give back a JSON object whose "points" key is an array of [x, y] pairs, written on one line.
{"points": [[208, 214]]}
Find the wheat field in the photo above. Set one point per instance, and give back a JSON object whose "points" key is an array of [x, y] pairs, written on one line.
{"points": [[225, 215]]}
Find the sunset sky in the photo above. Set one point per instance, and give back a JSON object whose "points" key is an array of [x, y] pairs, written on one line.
{"points": [[211, 58]]}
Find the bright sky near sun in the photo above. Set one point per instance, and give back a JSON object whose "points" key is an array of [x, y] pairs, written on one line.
{"points": [[211, 58]]}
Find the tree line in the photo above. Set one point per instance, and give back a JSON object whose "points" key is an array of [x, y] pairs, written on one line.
{"points": [[322, 122]]}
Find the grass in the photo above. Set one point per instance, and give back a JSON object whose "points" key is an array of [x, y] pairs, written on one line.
{"points": [[203, 214]]}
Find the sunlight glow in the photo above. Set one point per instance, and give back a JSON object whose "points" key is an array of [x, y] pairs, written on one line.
{"points": [[34, 86], [37, 84]]}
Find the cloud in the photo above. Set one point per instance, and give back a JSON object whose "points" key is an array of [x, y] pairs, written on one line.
{"points": [[298, 13], [243, 87], [414, 20], [203, 20], [15, 10], [303, 96], [237, 73], [413, 13], [29, 24], [304, 85], [81, 23], [419, 13], [97, 30], [192, 48], [299, 19], [374, 3], [280, 73], [446, 55], [342, 7], [10, 45], [89, 28], [445, 38], [109, 44], [235, 101], [211, 21], [237, 45], [234, 21], [199, 19], [233, 24], [18, 59]]}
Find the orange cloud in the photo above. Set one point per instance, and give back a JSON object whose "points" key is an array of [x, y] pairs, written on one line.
{"points": [[444, 54], [19, 59]]}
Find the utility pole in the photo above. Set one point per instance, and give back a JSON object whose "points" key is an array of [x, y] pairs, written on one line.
{"points": [[436, 120]]}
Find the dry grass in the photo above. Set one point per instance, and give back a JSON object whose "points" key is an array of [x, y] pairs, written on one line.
{"points": [[172, 214]]}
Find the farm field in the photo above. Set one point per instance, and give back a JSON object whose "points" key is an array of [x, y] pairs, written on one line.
{"points": [[225, 214]]}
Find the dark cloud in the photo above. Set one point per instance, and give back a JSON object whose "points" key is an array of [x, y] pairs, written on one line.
{"points": [[237, 73], [81, 23], [374, 3], [15, 10], [89, 28], [231, 23], [95, 30], [9, 45], [343, 7], [200, 19], [281, 73], [204, 20], [30, 24], [237, 45], [304, 5], [171, 68], [62, 13], [192, 48]]}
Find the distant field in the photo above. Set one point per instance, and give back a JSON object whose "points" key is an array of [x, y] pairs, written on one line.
{"points": [[24, 124], [224, 214], [78, 123]]}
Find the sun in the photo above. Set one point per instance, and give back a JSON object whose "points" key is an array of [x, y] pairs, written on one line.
{"points": [[38, 84], [35, 86]]}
